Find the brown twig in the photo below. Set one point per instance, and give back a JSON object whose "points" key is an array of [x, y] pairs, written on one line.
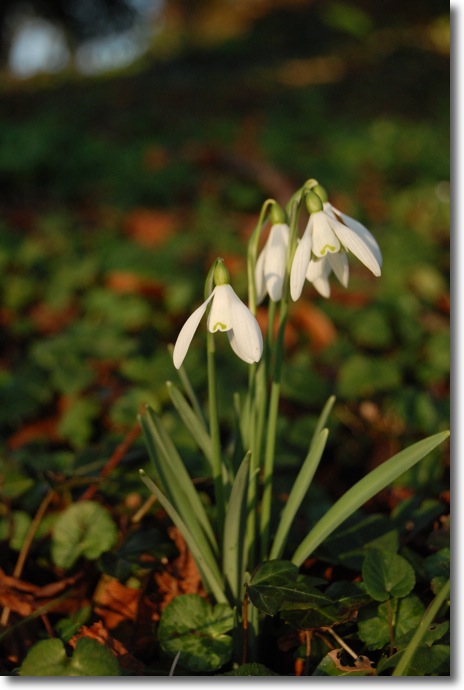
{"points": [[113, 461], [18, 569], [342, 643]]}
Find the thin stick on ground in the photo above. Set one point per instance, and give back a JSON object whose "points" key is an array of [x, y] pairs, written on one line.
{"points": [[18, 569]]}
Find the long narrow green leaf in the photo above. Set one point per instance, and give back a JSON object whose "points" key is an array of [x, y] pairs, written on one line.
{"points": [[176, 481], [209, 571], [298, 492], [323, 417], [427, 620], [191, 420], [189, 389], [234, 530], [363, 490]]}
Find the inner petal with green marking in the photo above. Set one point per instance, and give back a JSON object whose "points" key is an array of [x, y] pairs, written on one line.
{"points": [[327, 248]]}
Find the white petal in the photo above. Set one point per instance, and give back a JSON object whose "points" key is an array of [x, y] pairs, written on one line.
{"points": [[364, 234], [219, 318], [324, 238], [318, 274], [322, 285], [301, 262], [187, 332], [259, 278], [339, 265], [330, 210], [246, 339], [356, 244], [275, 260], [235, 347]]}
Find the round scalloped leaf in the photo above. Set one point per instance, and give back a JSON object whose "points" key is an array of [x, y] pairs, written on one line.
{"points": [[83, 529], [387, 575], [191, 626], [49, 658]]}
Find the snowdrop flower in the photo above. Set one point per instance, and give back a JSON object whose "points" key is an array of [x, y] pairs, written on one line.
{"points": [[319, 271], [329, 235], [272, 261], [228, 313]]}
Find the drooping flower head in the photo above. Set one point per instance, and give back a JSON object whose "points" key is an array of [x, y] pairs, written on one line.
{"points": [[328, 237], [228, 314], [272, 261]]}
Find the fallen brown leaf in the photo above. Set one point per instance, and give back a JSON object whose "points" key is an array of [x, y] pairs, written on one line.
{"points": [[150, 227], [181, 576], [362, 663], [24, 598], [315, 324], [115, 602]]}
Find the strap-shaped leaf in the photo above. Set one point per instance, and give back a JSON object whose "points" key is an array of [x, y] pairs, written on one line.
{"points": [[234, 530], [298, 492], [363, 490], [188, 388], [176, 482], [192, 421], [208, 569], [322, 421]]}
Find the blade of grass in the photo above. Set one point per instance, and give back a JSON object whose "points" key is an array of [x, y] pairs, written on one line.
{"points": [[298, 492], [234, 531], [363, 490], [209, 570]]}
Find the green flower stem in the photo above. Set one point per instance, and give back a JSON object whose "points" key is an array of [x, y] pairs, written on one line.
{"points": [[276, 384], [271, 433], [426, 622], [215, 436], [254, 412]]}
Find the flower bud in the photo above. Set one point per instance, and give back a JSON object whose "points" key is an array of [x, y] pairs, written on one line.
{"points": [[321, 193], [313, 202], [221, 274], [278, 214]]}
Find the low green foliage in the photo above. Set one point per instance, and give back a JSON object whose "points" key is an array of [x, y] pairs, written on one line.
{"points": [[191, 626], [49, 658], [90, 301], [84, 529], [386, 574]]}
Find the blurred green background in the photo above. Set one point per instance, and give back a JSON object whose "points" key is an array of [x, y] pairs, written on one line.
{"points": [[138, 141]]}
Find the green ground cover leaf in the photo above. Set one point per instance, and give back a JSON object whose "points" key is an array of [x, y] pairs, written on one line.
{"points": [[198, 630], [269, 584], [387, 574], [403, 616], [14, 528], [84, 529], [49, 658]]}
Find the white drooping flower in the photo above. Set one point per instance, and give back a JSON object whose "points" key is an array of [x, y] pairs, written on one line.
{"points": [[319, 271], [271, 264], [228, 313], [328, 236]]}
